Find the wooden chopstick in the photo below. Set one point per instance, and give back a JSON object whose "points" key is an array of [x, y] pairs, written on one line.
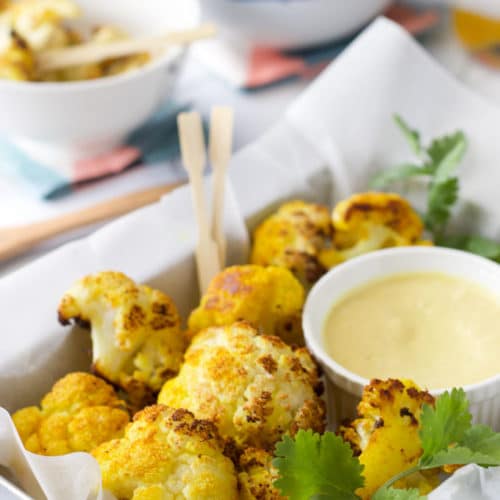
{"points": [[16, 240], [92, 52], [193, 152], [221, 143]]}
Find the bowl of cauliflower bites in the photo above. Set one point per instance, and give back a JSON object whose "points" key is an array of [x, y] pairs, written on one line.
{"points": [[196, 409], [81, 111]]}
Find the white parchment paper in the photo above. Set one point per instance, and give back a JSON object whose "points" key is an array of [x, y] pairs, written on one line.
{"points": [[327, 146]]}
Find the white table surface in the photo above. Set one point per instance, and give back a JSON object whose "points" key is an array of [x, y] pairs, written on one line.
{"points": [[255, 112]]}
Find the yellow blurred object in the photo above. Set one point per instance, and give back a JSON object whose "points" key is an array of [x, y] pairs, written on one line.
{"points": [[476, 31], [30, 27]]}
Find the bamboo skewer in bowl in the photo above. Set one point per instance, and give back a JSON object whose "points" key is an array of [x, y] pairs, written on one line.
{"points": [[92, 52]]}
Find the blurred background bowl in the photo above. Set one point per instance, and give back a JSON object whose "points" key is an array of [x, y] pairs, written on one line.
{"points": [[58, 122], [288, 24]]}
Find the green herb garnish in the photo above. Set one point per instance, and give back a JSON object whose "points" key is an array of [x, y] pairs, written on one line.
{"points": [[323, 467], [319, 467], [438, 164]]}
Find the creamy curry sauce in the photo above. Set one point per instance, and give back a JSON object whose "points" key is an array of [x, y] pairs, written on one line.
{"points": [[435, 329]]}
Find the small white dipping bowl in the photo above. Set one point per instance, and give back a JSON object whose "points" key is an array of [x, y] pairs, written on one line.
{"points": [[288, 24], [64, 122], [344, 388]]}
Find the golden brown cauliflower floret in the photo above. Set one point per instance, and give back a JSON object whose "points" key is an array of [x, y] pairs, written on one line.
{"points": [[78, 414], [371, 221], [385, 435], [257, 475], [254, 387], [137, 341], [39, 22], [269, 298], [16, 59], [293, 238], [167, 453]]}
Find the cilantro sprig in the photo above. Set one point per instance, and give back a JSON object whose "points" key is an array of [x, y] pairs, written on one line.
{"points": [[323, 467], [320, 467], [437, 164]]}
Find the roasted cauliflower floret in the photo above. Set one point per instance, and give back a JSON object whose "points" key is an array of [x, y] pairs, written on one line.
{"points": [[257, 475], [78, 414], [167, 453], [39, 22], [16, 59], [293, 238], [269, 298], [254, 387], [370, 221], [386, 435], [137, 341]]}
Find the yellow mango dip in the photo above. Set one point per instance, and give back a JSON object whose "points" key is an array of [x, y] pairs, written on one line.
{"points": [[438, 330]]}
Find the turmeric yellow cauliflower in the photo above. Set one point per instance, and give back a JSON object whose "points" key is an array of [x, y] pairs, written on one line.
{"points": [[78, 414], [254, 387], [41, 25], [137, 341], [39, 22], [385, 435], [370, 221], [257, 475], [292, 238], [16, 59], [167, 454], [269, 298]]}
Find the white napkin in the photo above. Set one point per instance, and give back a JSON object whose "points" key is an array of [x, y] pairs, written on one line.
{"points": [[76, 476], [470, 483], [340, 129]]}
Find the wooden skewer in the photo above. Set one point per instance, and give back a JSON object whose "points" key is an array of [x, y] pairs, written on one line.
{"points": [[16, 240], [92, 52], [221, 143], [193, 152]]}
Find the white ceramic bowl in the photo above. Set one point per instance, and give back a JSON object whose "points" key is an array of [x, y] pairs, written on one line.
{"points": [[344, 387], [291, 23], [64, 121]]}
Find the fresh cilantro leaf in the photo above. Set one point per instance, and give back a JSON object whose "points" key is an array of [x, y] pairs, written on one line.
{"points": [[474, 244], [412, 136], [460, 455], [446, 153], [482, 439], [444, 425], [480, 445], [439, 163], [319, 467], [397, 494], [440, 200], [399, 173]]}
